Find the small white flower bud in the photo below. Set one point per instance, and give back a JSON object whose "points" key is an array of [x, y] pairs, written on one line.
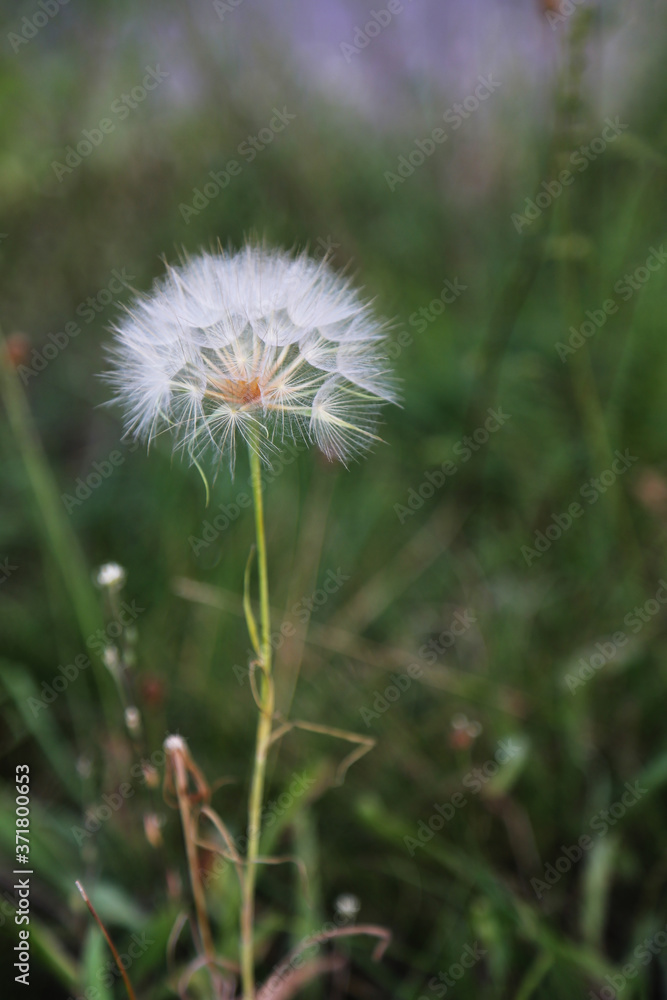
{"points": [[347, 905], [110, 575], [133, 719], [111, 658], [174, 743]]}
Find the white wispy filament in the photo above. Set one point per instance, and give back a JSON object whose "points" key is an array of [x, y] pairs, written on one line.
{"points": [[258, 344]]}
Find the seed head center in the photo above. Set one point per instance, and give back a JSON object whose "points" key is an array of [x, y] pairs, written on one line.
{"points": [[237, 392]]}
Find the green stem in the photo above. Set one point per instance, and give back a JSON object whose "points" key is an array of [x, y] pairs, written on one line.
{"points": [[56, 530], [265, 614], [58, 534], [264, 727]]}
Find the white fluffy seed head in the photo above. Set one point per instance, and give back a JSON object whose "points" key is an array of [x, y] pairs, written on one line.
{"points": [[258, 345]]}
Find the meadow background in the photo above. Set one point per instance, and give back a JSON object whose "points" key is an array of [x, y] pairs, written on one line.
{"points": [[561, 654]]}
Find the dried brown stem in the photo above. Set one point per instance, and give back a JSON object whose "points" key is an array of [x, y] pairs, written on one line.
{"points": [[116, 956]]}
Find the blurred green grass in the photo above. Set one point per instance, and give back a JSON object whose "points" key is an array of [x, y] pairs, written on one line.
{"points": [[495, 346]]}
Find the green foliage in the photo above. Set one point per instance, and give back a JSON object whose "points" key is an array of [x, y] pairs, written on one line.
{"points": [[534, 666]]}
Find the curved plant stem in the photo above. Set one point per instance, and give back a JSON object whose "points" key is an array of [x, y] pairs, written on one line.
{"points": [[264, 727]]}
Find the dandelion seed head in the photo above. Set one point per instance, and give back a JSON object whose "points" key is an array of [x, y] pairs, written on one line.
{"points": [[257, 346]]}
